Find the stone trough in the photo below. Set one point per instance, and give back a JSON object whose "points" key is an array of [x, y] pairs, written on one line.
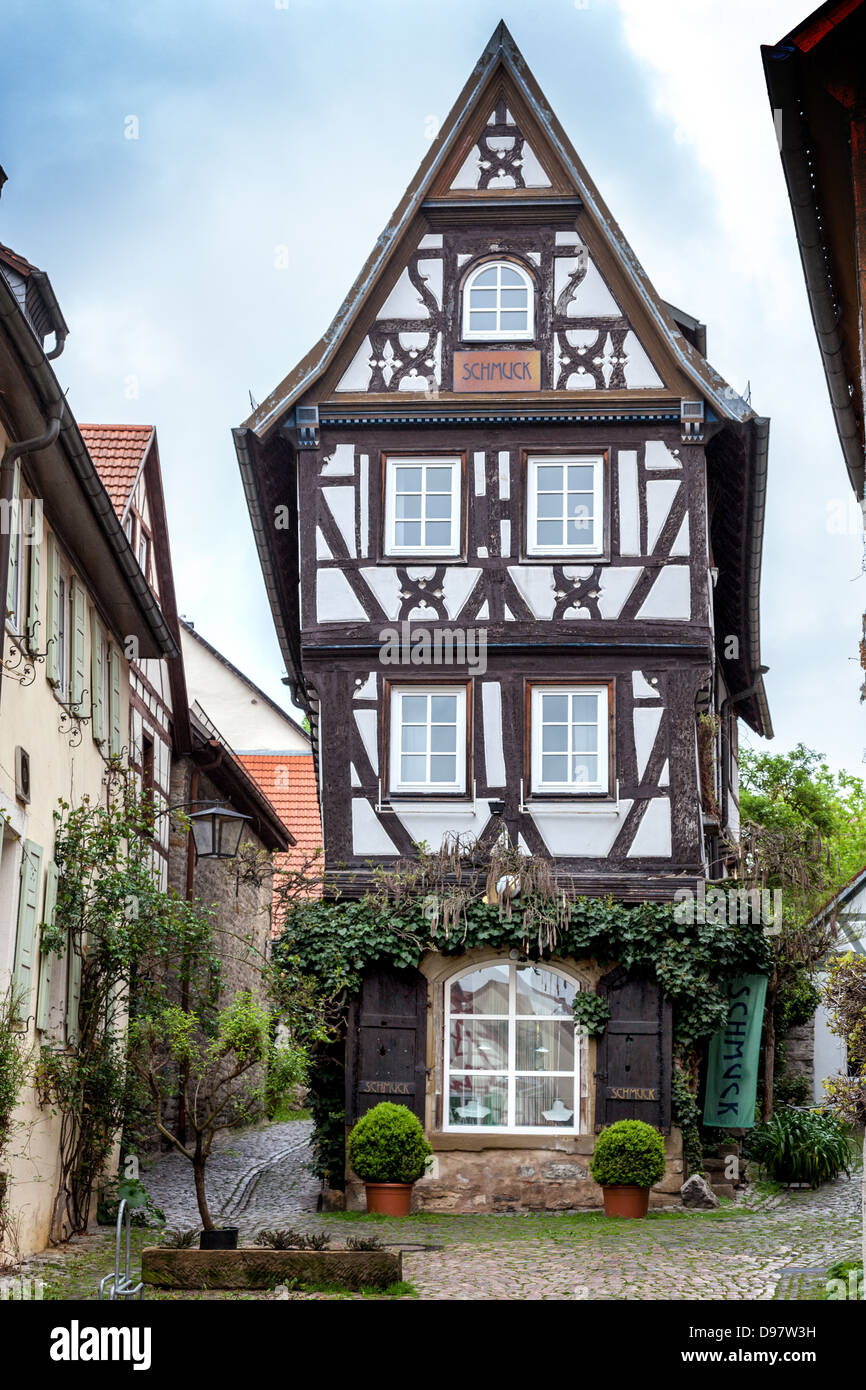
{"points": [[259, 1267]]}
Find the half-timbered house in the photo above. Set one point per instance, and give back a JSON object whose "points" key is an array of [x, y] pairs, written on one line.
{"points": [[510, 522]]}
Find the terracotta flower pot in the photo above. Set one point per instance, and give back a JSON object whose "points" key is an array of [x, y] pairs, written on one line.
{"points": [[630, 1202], [389, 1198]]}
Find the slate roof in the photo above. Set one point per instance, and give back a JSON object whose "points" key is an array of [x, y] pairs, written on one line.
{"points": [[118, 452]]}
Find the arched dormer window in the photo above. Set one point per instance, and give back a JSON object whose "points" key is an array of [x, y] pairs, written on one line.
{"points": [[514, 1060], [499, 302]]}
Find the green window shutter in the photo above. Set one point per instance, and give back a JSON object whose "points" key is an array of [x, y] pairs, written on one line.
{"points": [[73, 996], [79, 642], [14, 542], [52, 600], [35, 635], [28, 908], [47, 961], [114, 700], [97, 661]]}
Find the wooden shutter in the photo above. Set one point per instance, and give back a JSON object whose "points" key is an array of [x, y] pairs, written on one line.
{"points": [[47, 960], [52, 605], [97, 661], [35, 636], [79, 642], [633, 1075], [14, 541], [28, 908], [114, 700], [386, 1044], [73, 994]]}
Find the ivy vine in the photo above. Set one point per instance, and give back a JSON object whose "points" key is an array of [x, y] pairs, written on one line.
{"points": [[336, 942]]}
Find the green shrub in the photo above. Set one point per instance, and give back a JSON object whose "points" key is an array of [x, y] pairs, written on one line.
{"points": [[388, 1145], [801, 1146], [628, 1153]]}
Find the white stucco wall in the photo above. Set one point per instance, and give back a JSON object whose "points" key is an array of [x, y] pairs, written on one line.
{"points": [[30, 718], [240, 711]]}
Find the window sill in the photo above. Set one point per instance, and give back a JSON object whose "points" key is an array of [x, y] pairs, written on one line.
{"points": [[474, 1142], [574, 805]]}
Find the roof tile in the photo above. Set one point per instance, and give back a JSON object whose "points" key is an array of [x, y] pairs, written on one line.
{"points": [[117, 452], [289, 782]]}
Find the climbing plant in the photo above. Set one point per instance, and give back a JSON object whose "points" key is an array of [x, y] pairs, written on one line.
{"points": [[14, 1061], [116, 928]]}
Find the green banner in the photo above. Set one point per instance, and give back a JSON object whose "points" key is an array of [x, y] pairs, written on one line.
{"points": [[732, 1072]]}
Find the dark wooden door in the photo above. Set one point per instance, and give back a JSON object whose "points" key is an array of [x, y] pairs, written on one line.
{"points": [[633, 1075], [386, 1044]]}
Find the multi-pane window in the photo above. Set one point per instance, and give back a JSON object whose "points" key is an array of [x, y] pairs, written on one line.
{"points": [[498, 302], [512, 1055], [569, 738], [428, 739], [422, 506], [564, 505]]}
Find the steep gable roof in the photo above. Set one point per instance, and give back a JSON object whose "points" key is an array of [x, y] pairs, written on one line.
{"points": [[119, 452], [501, 82]]}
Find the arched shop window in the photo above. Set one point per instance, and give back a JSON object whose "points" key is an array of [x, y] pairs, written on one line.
{"points": [[499, 302], [512, 1053]]}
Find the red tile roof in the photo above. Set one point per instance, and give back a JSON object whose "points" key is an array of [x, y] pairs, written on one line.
{"points": [[117, 452], [289, 782]]}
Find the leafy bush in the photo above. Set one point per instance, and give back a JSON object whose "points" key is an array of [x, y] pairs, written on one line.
{"points": [[791, 1088], [844, 1281], [364, 1243], [628, 1153], [388, 1145], [143, 1209], [806, 1146]]}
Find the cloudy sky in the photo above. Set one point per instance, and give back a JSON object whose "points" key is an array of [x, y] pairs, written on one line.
{"points": [[273, 131]]}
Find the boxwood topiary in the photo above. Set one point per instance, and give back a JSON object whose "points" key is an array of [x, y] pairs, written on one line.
{"points": [[388, 1145], [628, 1153]]}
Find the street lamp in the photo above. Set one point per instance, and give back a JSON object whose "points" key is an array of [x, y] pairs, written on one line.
{"points": [[217, 832]]}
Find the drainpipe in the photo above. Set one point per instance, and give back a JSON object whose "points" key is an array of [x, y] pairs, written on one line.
{"points": [[7, 477]]}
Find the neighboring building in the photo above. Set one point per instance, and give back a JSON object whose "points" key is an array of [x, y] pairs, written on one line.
{"points": [[127, 457], [271, 745], [178, 753], [848, 909], [816, 80], [506, 438], [75, 604]]}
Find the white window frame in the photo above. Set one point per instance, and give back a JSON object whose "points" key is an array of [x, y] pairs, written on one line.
{"points": [[536, 461], [498, 334], [573, 788], [425, 461], [396, 784], [572, 1079]]}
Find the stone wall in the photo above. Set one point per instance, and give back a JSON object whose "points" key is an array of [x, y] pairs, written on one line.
{"points": [[471, 1173], [242, 922]]}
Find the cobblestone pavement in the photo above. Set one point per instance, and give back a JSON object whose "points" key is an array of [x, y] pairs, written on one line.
{"points": [[760, 1248], [255, 1177]]}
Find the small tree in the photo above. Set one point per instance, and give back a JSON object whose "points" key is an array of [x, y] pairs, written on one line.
{"points": [[216, 1061], [845, 996]]}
